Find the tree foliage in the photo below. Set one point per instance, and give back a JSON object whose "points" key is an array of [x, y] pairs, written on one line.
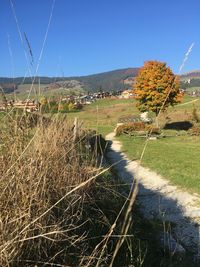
{"points": [[63, 107], [156, 87], [43, 101]]}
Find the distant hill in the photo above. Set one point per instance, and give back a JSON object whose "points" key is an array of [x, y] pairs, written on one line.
{"points": [[191, 74], [106, 81], [109, 81]]}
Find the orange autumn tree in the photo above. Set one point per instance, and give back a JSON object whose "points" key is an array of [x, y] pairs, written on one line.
{"points": [[156, 87]]}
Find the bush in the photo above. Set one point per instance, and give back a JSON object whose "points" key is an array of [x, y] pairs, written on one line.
{"points": [[71, 107], [78, 106], [63, 107], [53, 107], [153, 130], [195, 130], [195, 115], [130, 127]]}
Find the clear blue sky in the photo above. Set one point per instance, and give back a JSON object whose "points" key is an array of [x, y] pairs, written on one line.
{"points": [[91, 36]]}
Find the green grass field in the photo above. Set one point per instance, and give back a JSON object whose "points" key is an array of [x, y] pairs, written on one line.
{"points": [[176, 158], [104, 114]]}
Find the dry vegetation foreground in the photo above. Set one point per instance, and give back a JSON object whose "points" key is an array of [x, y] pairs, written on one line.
{"points": [[55, 209]]}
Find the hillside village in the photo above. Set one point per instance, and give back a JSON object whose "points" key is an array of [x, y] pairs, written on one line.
{"points": [[87, 99], [84, 99], [74, 89]]}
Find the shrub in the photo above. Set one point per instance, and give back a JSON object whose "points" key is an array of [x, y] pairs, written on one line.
{"points": [[130, 127], [195, 115], [53, 106], [71, 107], [153, 130], [195, 130], [78, 106], [43, 101], [63, 107]]}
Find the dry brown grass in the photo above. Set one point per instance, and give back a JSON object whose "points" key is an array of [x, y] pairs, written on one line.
{"points": [[41, 198], [57, 208]]}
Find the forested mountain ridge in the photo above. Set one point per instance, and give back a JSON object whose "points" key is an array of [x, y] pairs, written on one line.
{"points": [[109, 81]]}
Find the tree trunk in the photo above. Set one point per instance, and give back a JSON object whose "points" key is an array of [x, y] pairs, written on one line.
{"points": [[156, 121]]}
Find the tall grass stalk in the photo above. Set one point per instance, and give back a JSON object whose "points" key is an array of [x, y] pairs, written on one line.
{"points": [[42, 194]]}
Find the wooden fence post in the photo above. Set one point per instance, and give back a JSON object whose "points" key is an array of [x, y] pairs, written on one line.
{"points": [[75, 129]]}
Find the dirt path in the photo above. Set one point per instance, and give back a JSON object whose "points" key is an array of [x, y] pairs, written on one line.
{"points": [[189, 102], [159, 199]]}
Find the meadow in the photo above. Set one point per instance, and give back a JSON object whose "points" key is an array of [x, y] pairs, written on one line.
{"points": [[35, 91], [175, 157], [103, 115]]}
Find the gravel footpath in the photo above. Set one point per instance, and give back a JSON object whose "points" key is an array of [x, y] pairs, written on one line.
{"points": [[159, 199]]}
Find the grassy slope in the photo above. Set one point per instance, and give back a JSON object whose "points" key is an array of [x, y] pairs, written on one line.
{"points": [[103, 114], [23, 91]]}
